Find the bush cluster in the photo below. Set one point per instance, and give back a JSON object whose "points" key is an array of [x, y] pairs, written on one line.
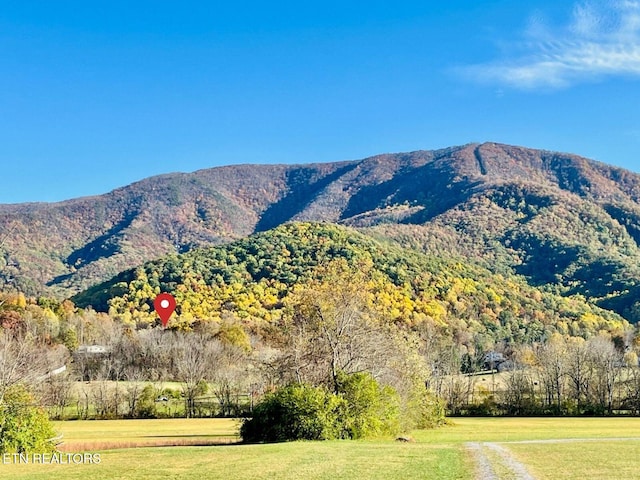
{"points": [[359, 408]]}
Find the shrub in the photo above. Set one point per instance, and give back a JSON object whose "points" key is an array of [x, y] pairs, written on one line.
{"points": [[146, 407], [24, 426], [423, 409], [360, 408], [295, 412], [370, 409]]}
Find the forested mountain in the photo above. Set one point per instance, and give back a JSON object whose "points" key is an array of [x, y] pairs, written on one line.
{"points": [[561, 220], [254, 279]]}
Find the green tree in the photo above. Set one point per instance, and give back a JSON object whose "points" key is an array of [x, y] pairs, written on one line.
{"points": [[69, 338], [24, 426]]}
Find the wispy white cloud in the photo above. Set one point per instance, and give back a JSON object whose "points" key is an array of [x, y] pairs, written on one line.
{"points": [[600, 40]]}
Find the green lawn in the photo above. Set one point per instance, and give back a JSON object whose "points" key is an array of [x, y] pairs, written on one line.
{"points": [[436, 454], [581, 460], [514, 429], [328, 460]]}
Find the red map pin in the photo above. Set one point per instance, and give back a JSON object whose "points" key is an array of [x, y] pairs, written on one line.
{"points": [[164, 304]]}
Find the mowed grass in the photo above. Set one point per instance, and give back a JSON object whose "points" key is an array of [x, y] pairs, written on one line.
{"points": [[375, 459], [581, 460], [383, 460], [306, 460], [518, 429], [435, 454], [556, 448]]}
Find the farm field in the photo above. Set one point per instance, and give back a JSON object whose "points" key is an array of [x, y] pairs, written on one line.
{"points": [[470, 448], [97, 435]]}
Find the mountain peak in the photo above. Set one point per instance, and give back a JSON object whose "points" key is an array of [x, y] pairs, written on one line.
{"points": [[472, 199]]}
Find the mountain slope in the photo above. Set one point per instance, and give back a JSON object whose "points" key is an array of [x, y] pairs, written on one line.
{"points": [[253, 278], [64, 247], [559, 219]]}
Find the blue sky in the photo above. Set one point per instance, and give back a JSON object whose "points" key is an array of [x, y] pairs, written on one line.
{"points": [[96, 95]]}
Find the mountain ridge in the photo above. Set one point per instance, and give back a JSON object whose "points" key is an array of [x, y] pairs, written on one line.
{"points": [[554, 217]]}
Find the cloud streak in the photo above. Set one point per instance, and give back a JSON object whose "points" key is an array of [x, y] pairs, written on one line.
{"points": [[599, 41]]}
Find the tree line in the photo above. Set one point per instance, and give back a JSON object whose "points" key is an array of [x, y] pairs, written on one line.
{"points": [[562, 376], [338, 328]]}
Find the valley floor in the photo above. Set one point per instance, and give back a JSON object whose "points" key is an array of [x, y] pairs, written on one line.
{"points": [[468, 448]]}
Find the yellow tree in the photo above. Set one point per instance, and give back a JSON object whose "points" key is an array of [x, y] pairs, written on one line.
{"points": [[333, 326]]}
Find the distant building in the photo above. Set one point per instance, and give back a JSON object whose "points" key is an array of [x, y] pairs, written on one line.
{"points": [[494, 361], [92, 349], [494, 357], [53, 373], [88, 360]]}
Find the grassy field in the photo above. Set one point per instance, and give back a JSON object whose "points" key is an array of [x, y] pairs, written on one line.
{"points": [[549, 449], [96, 435]]}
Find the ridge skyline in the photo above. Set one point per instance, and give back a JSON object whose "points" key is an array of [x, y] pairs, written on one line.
{"points": [[294, 164]]}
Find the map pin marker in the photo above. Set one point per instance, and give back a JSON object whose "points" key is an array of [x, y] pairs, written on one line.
{"points": [[164, 304]]}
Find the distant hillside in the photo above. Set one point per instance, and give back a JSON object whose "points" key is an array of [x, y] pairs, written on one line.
{"points": [[252, 278], [61, 248], [559, 219]]}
